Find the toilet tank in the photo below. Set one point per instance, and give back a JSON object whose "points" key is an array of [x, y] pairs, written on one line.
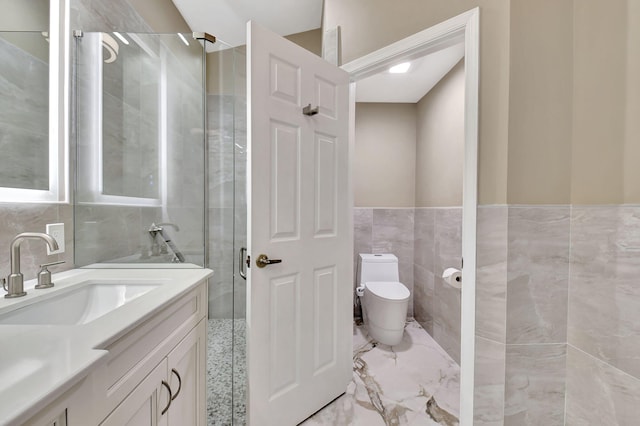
{"points": [[377, 267]]}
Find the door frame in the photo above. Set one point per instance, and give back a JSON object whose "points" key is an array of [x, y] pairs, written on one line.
{"points": [[465, 26]]}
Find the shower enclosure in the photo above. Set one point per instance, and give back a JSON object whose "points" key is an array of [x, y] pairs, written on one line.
{"points": [[226, 112], [160, 148]]}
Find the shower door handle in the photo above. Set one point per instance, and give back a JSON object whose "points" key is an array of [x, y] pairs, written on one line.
{"points": [[241, 262]]}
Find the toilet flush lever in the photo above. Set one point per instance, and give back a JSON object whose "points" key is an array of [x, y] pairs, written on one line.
{"points": [[263, 260]]}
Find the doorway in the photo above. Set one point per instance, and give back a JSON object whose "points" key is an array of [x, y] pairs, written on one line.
{"points": [[462, 28]]}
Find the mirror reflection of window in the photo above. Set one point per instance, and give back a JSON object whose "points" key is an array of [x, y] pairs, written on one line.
{"points": [[24, 89]]}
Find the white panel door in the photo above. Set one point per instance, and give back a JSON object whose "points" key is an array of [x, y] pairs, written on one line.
{"points": [[299, 211]]}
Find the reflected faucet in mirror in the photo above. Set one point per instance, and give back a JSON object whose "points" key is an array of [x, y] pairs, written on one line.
{"points": [[14, 284], [159, 247]]}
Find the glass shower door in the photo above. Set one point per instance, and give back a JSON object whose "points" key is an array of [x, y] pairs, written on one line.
{"points": [[240, 240], [140, 125], [160, 130], [226, 102]]}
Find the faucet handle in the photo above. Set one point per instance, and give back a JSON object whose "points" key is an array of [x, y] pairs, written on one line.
{"points": [[44, 276]]}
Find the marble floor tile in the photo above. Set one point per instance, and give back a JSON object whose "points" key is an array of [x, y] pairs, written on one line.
{"points": [[412, 383]]}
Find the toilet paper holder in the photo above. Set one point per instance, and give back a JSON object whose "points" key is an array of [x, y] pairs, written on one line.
{"points": [[453, 277]]}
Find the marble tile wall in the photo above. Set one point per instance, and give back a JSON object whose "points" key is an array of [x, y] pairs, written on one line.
{"points": [[437, 246], [448, 253], [380, 230], [604, 316], [535, 384], [489, 382], [106, 233], [537, 274], [491, 315], [521, 314], [95, 15], [424, 268], [598, 393], [536, 314], [565, 334]]}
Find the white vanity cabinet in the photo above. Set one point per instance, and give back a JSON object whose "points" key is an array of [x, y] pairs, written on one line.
{"points": [[173, 393], [157, 372], [188, 359], [143, 363]]}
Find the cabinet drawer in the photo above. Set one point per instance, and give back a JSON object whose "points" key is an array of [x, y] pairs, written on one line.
{"points": [[134, 355]]}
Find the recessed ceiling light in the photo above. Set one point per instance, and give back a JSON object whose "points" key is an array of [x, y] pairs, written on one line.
{"points": [[400, 68]]}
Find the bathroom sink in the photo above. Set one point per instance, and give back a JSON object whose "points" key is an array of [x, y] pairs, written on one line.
{"points": [[79, 305]]}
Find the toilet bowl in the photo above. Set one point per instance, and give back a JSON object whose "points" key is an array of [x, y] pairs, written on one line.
{"points": [[384, 298]]}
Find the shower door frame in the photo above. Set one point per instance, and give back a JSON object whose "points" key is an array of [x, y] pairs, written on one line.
{"points": [[465, 26]]}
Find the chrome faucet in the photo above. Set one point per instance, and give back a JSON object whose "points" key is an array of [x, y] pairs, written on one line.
{"points": [[14, 285], [161, 248]]}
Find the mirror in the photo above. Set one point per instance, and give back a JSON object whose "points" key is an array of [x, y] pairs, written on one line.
{"points": [[32, 104], [131, 114], [24, 110]]}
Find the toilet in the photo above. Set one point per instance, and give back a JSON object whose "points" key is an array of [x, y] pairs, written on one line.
{"points": [[384, 299]]}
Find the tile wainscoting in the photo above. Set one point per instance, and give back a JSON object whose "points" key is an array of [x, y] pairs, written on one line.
{"points": [[438, 245], [603, 358], [558, 315], [521, 304]]}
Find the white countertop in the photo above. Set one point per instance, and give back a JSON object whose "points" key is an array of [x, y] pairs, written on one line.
{"points": [[38, 363]]}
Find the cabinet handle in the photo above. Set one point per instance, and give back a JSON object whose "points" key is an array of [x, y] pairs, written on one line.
{"points": [[166, 385], [173, 370]]}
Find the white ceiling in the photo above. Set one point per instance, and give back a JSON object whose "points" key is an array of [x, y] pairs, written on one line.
{"points": [[226, 19], [410, 87]]}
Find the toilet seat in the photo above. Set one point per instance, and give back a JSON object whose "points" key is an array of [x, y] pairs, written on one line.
{"points": [[388, 290]]}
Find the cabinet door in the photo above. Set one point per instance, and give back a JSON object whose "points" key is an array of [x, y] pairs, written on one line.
{"points": [[187, 374], [145, 403]]}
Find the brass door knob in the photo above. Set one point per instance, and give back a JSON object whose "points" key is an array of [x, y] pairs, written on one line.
{"points": [[263, 260]]}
